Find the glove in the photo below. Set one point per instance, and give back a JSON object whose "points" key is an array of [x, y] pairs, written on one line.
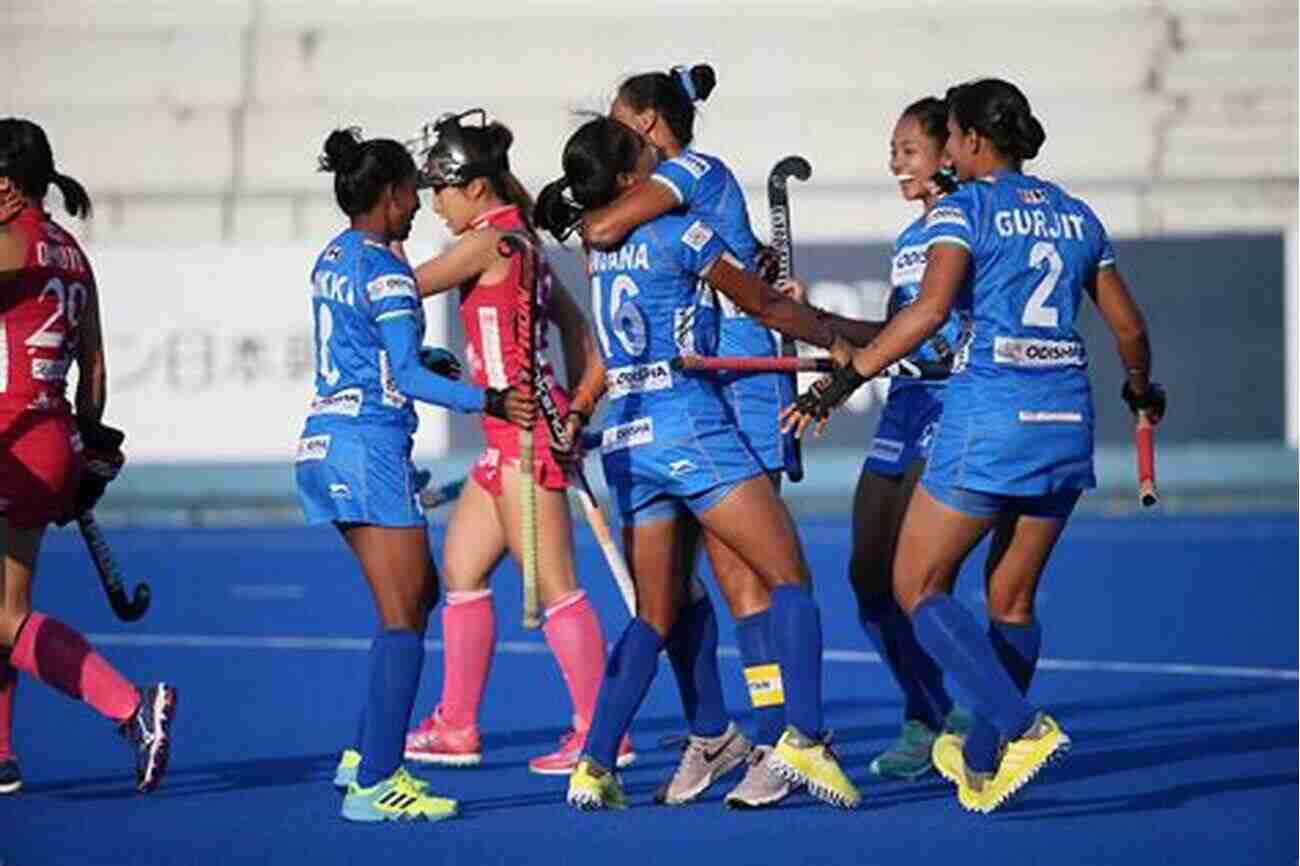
{"points": [[101, 453], [556, 212], [828, 393], [440, 361], [497, 402], [767, 264], [1152, 401]]}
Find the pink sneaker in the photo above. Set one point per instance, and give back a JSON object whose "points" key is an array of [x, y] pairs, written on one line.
{"points": [[433, 742], [562, 761]]}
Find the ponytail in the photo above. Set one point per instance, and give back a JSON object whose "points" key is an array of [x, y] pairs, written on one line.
{"points": [[27, 159], [75, 198]]}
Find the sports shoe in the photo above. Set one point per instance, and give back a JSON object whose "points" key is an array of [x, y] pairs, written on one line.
{"points": [[951, 764], [148, 730], [1023, 757], [908, 757], [592, 787], [760, 787], [704, 761], [349, 763], [562, 761], [11, 778], [802, 760], [435, 742], [400, 797]]}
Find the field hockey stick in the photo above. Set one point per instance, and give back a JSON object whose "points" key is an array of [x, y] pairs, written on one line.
{"points": [[110, 577], [778, 205], [525, 333], [904, 369], [1144, 437]]}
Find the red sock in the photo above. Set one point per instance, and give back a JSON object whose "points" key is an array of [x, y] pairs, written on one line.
{"points": [[59, 656], [574, 635], [8, 685], [469, 635]]}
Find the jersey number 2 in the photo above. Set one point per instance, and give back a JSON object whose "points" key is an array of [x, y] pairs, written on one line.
{"points": [[1037, 313], [325, 330]]}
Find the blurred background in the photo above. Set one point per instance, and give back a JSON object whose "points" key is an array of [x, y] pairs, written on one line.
{"points": [[196, 127]]}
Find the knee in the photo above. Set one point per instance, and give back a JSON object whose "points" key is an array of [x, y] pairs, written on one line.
{"points": [[912, 589], [1010, 605]]}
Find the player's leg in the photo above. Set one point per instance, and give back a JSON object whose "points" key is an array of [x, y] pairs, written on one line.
{"points": [[753, 521], [12, 597], [474, 544], [399, 570], [651, 540]]}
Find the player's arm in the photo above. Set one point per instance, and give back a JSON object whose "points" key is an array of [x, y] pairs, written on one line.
{"points": [[1121, 314], [583, 366], [473, 256], [945, 271], [92, 373], [13, 253], [604, 228]]}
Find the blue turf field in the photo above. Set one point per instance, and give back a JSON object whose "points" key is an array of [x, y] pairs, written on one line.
{"points": [[264, 631]]}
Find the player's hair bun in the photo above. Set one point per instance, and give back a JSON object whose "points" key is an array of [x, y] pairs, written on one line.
{"points": [[704, 79], [343, 151], [999, 111], [1028, 134], [498, 139]]}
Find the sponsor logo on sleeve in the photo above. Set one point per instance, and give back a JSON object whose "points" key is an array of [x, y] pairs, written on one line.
{"points": [[692, 165], [1031, 353], [1051, 417], [622, 381], [313, 448], [629, 435], [697, 236], [346, 402], [886, 450], [946, 214], [392, 286], [908, 266]]}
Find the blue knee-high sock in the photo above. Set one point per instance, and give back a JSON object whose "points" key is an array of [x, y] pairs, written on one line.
{"points": [[692, 646], [396, 657], [762, 675], [628, 673], [1017, 646], [951, 636], [797, 636], [361, 729], [919, 678]]}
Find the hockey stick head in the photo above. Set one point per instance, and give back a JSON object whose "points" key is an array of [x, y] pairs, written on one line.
{"points": [[786, 168], [134, 608]]}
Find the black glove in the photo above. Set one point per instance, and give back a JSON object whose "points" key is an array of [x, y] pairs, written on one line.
{"points": [[767, 264], [494, 403], [440, 361], [556, 212], [1152, 401], [101, 454], [826, 394]]}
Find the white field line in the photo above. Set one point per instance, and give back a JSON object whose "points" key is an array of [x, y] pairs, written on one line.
{"points": [[519, 647]]}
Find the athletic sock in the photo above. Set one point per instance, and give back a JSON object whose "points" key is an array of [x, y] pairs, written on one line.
{"points": [[59, 656], [951, 636], [576, 640], [8, 686], [797, 636], [1017, 645], [396, 657], [692, 647], [628, 674], [469, 636], [921, 681], [762, 676]]}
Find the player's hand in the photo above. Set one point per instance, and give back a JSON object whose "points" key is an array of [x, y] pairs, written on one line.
{"points": [[793, 289], [11, 200], [102, 459], [1151, 402], [803, 412], [440, 361], [767, 264], [511, 404], [574, 422]]}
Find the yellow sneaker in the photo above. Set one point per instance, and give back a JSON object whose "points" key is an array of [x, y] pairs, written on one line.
{"points": [[1023, 758], [804, 761], [400, 797], [951, 763], [346, 771], [593, 787]]}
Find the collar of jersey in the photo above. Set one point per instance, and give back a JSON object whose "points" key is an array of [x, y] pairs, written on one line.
{"points": [[994, 177], [482, 219]]}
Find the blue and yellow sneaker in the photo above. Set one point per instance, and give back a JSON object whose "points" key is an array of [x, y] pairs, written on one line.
{"points": [[951, 764], [400, 797], [802, 760], [1023, 757], [592, 787], [11, 778], [346, 771]]}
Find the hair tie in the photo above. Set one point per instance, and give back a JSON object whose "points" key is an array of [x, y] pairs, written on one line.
{"points": [[683, 75]]}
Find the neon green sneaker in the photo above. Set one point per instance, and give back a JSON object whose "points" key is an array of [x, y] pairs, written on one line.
{"points": [[951, 764], [908, 757], [346, 771], [801, 760], [400, 797], [592, 787]]}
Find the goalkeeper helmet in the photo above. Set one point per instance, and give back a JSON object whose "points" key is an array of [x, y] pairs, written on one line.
{"points": [[448, 157]]}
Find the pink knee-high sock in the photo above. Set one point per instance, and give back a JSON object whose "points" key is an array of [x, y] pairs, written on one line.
{"points": [[59, 656], [8, 685], [574, 635], [469, 634]]}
